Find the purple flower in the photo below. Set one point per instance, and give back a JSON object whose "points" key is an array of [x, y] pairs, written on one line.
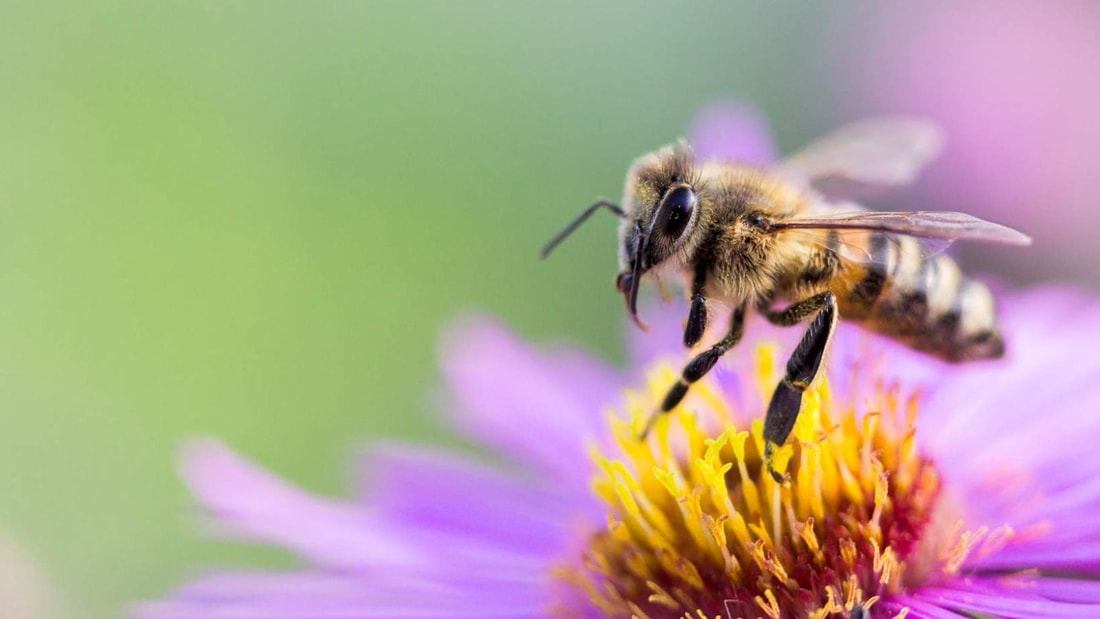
{"points": [[1009, 447], [917, 488]]}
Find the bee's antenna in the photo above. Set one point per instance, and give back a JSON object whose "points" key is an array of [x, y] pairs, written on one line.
{"points": [[576, 223]]}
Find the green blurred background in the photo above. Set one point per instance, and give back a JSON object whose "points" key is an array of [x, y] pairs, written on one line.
{"points": [[253, 220]]}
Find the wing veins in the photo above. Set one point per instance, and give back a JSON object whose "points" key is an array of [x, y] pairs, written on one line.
{"points": [[947, 226]]}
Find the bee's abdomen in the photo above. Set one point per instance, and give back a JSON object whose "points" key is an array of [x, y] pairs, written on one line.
{"points": [[928, 304]]}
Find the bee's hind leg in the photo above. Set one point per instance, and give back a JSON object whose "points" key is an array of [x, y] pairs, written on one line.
{"points": [[698, 367], [802, 368]]}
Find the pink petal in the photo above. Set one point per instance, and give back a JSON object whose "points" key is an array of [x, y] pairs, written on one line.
{"points": [[248, 501], [253, 595], [539, 408], [473, 502], [1003, 601], [734, 132], [918, 609]]}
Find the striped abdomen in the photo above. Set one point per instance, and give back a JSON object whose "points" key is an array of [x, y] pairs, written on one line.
{"points": [[927, 303]]}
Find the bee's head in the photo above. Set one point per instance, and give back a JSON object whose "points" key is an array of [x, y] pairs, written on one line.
{"points": [[661, 212]]}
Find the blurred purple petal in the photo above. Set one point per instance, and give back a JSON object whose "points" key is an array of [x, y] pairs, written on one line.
{"points": [[452, 495], [248, 501], [965, 412], [1067, 589], [665, 334], [529, 404], [732, 132], [251, 595]]}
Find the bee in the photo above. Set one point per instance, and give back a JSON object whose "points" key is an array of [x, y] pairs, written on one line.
{"points": [[778, 242]]}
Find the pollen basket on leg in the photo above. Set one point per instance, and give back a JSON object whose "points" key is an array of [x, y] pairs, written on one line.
{"points": [[696, 527]]}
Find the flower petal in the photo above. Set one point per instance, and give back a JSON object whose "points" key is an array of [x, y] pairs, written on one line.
{"points": [[536, 407], [1021, 452], [664, 340], [295, 595], [1041, 326], [1083, 557], [917, 609], [734, 132], [1068, 589], [249, 502], [473, 502], [1006, 599]]}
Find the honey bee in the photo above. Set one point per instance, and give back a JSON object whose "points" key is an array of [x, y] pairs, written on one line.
{"points": [[753, 239]]}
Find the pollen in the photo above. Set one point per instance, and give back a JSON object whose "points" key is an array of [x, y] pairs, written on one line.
{"points": [[696, 527]]}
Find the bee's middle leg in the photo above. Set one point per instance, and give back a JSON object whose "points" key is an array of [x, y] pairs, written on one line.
{"points": [[698, 367], [697, 316], [802, 368]]}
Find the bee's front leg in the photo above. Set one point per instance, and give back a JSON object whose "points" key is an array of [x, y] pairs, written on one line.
{"points": [[696, 318], [698, 367], [802, 368]]}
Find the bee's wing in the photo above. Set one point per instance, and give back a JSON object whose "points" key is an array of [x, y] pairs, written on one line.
{"points": [[936, 225], [912, 236], [870, 154], [853, 245]]}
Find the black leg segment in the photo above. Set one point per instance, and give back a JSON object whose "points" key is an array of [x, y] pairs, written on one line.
{"points": [[697, 321], [802, 368], [698, 367], [697, 317]]}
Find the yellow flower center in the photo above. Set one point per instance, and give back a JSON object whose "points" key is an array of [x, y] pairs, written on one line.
{"points": [[696, 528]]}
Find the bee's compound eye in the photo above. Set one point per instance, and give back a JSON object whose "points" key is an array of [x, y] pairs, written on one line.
{"points": [[676, 211], [758, 221]]}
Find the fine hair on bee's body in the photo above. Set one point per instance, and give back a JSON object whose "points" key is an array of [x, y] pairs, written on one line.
{"points": [[769, 241]]}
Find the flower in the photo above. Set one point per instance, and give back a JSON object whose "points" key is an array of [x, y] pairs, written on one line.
{"points": [[988, 508], [916, 488]]}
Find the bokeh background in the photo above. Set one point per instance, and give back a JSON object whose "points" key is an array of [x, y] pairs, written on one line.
{"points": [[253, 220]]}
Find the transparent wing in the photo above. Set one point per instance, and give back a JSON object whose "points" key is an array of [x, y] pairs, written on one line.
{"points": [[934, 225], [853, 245], [874, 153]]}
